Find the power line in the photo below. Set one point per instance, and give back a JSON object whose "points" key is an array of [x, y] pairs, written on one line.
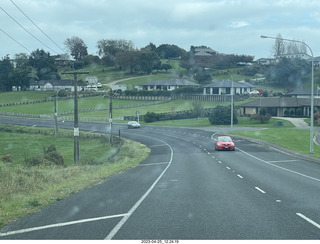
{"points": [[27, 30], [14, 40], [38, 27]]}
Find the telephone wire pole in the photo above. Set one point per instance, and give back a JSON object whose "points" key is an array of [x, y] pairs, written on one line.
{"points": [[76, 123]]}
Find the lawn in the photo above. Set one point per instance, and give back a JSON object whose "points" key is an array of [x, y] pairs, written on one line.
{"points": [[291, 138]]}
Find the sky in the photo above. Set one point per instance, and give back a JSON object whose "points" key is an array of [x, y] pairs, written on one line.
{"points": [[226, 26]]}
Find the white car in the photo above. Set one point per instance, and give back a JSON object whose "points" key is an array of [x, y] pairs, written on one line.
{"points": [[254, 92], [133, 124]]}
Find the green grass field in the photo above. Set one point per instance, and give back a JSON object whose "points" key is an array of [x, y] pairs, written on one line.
{"points": [[26, 189]]}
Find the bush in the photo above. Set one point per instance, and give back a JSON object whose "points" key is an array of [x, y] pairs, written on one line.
{"points": [[50, 157], [6, 158], [150, 117], [221, 116]]}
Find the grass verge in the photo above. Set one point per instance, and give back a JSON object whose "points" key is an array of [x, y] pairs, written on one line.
{"points": [[25, 189], [291, 138]]}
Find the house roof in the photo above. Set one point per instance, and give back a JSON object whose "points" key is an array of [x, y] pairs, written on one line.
{"points": [[229, 83], [53, 82], [301, 91], [199, 51], [170, 82], [284, 102]]}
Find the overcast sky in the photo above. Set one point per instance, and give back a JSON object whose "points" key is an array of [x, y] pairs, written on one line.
{"points": [[227, 26]]}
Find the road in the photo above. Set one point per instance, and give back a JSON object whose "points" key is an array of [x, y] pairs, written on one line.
{"points": [[186, 190]]}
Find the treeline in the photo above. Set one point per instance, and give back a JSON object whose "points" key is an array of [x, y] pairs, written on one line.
{"points": [[23, 69]]}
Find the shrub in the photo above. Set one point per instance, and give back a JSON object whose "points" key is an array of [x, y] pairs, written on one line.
{"points": [[221, 116], [50, 157], [6, 158], [150, 117]]}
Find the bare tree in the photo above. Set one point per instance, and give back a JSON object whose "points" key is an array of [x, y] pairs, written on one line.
{"points": [[279, 46]]}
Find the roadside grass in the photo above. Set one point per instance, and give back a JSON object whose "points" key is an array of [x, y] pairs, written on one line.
{"points": [[68, 105], [23, 96], [204, 122], [25, 189], [291, 138]]}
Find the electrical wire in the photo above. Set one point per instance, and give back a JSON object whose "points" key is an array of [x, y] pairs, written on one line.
{"points": [[27, 30], [37, 26], [14, 40]]}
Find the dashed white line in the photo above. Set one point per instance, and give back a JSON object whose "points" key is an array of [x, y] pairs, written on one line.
{"points": [[240, 176], [309, 220], [219, 161], [262, 191], [228, 168]]}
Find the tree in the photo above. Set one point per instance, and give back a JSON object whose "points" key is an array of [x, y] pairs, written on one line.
{"points": [[6, 74], [127, 60], [222, 116], [107, 48], [148, 61], [169, 51], [288, 72], [43, 65], [78, 49], [279, 46]]}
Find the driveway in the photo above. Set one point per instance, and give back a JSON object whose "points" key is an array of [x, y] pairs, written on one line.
{"points": [[298, 122]]}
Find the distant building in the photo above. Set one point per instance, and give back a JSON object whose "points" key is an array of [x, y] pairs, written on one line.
{"points": [[204, 51], [265, 61], [168, 85], [224, 87], [304, 56], [92, 80], [53, 85]]}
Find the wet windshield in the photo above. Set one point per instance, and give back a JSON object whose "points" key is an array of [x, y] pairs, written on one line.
{"points": [[111, 114]]}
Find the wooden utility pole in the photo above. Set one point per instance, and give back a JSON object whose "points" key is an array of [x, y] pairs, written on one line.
{"points": [[76, 126], [110, 116]]}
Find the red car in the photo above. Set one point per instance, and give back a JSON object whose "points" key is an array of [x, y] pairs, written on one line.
{"points": [[224, 143]]}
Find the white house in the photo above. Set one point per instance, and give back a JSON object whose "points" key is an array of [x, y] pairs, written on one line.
{"points": [[53, 85], [225, 86]]}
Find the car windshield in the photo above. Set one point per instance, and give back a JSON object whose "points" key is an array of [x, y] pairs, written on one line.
{"points": [[224, 139], [116, 119]]}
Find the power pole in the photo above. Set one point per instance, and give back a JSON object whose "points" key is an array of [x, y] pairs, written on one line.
{"points": [[110, 116], [76, 126]]}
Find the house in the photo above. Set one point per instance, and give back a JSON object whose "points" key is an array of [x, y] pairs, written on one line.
{"points": [[53, 85], [304, 56], [304, 93], [168, 85], [92, 80], [277, 106], [199, 51], [266, 61], [224, 87]]}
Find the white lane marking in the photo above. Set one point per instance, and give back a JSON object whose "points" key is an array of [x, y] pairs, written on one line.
{"points": [[283, 161], [219, 161], [239, 176], [228, 168], [141, 165], [60, 224], [289, 170], [309, 220], [262, 191], [115, 230]]}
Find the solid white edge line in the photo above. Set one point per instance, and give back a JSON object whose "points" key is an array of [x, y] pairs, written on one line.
{"points": [[309, 220], [115, 230], [60, 224], [291, 171]]}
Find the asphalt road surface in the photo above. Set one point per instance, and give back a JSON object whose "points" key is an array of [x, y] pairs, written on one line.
{"points": [[186, 190]]}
